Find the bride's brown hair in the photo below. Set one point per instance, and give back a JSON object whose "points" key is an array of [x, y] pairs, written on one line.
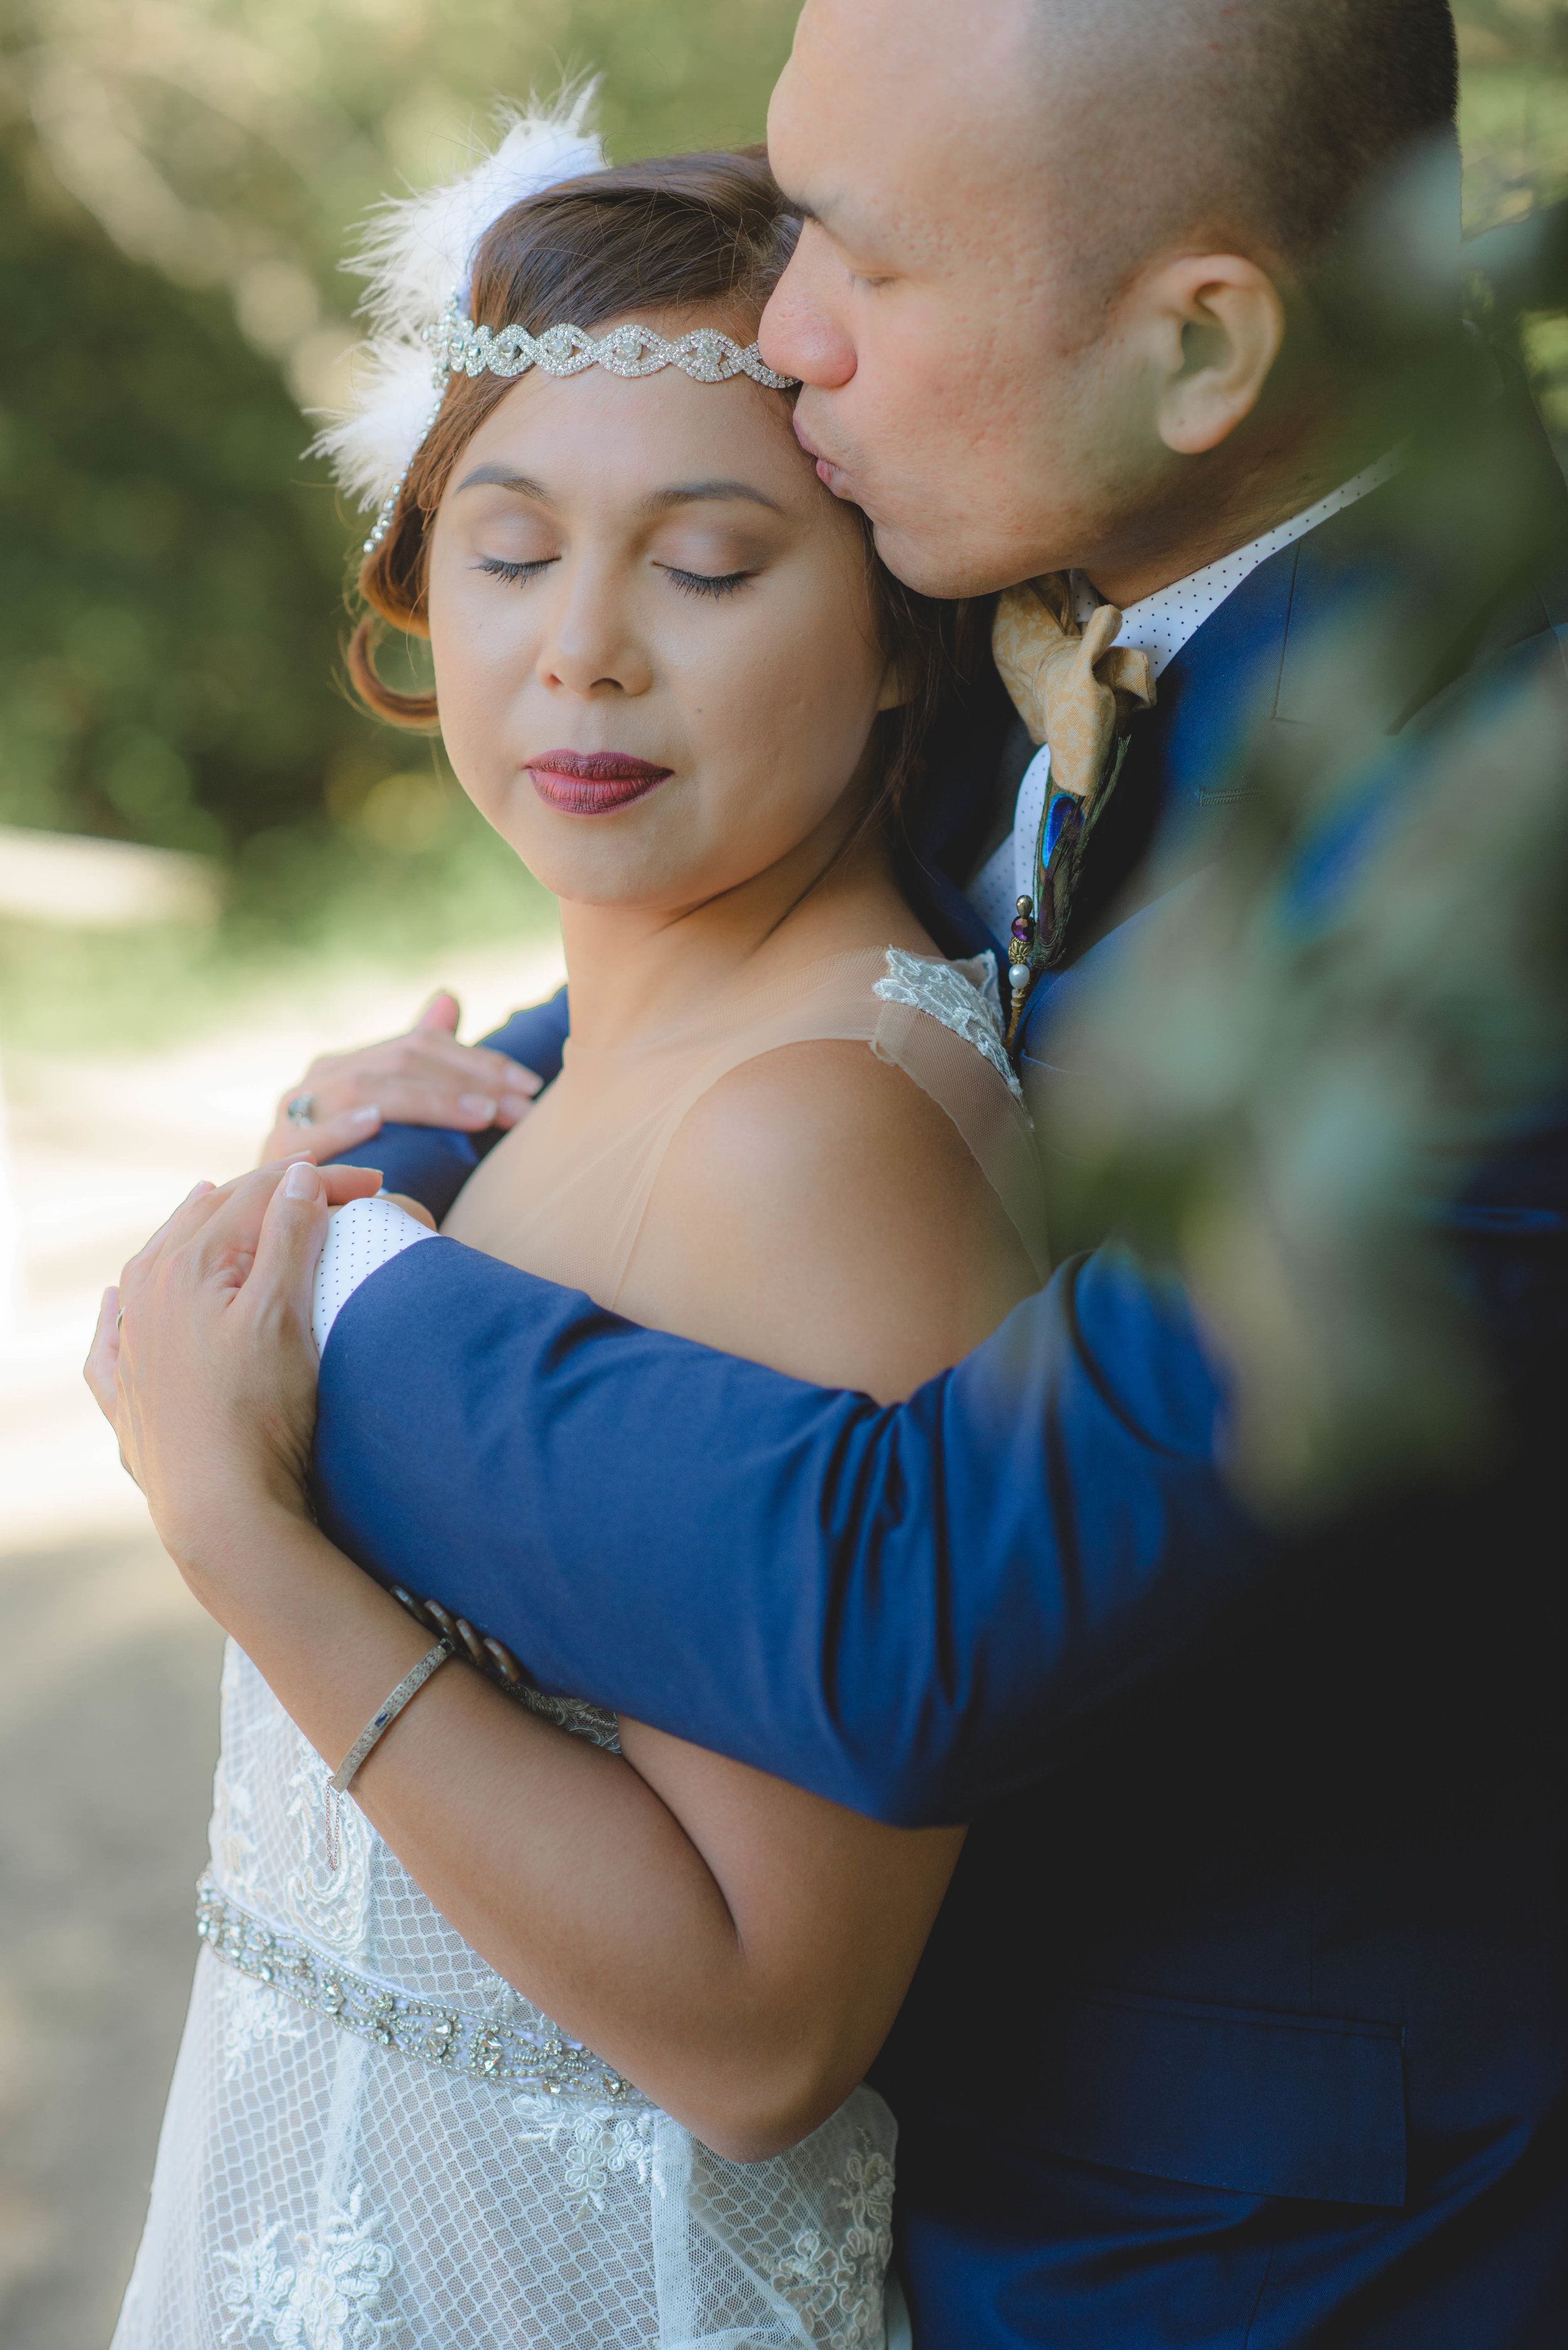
{"points": [[699, 236]]}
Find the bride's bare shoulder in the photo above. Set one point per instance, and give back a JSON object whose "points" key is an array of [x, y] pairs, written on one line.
{"points": [[817, 1212]]}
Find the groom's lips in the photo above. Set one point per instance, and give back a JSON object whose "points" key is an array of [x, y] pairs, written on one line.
{"points": [[828, 472], [591, 782]]}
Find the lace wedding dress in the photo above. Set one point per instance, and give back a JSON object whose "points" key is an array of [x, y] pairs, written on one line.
{"points": [[372, 2141]]}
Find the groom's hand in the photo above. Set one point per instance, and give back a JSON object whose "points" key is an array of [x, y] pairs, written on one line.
{"points": [[422, 1079]]}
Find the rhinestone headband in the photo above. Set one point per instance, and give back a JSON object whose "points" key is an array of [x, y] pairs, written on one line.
{"points": [[459, 347]]}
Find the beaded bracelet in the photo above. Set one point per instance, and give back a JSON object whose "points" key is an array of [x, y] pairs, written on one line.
{"points": [[383, 1719]]}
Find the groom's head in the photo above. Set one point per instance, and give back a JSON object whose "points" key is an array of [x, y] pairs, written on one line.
{"points": [[1054, 250]]}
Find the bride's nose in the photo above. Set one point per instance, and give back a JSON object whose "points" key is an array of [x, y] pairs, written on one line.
{"points": [[589, 647]]}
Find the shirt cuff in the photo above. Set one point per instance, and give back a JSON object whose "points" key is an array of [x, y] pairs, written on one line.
{"points": [[360, 1238]]}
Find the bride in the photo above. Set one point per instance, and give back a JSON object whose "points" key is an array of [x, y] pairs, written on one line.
{"points": [[554, 2030]]}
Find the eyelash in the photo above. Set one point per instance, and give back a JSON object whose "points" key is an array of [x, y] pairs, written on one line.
{"points": [[706, 583], [496, 569], [689, 583]]}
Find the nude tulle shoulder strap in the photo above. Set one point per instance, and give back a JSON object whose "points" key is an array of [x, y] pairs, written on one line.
{"points": [[938, 1022], [941, 1024]]}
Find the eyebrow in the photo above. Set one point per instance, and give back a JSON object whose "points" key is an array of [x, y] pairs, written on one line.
{"points": [[695, 493], [837, 217], [682, 494], [498, 477]]}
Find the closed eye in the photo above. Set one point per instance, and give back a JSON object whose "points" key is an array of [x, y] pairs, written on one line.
{"points": [[497, 569], [706, 583]]}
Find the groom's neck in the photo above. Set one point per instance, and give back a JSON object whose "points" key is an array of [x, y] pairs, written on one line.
{"points": [[1201, 509]]}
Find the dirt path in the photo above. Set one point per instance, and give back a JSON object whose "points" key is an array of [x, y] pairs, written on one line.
{"points": [[109, 1671]]}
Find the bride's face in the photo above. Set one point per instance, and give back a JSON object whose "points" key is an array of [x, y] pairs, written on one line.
{"points": [[655, 647]]}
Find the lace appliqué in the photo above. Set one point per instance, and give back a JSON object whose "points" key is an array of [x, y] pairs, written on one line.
{"points": [[235, 1858], [325, 1897], [837, 2282], [971, 1007], [254, 2016], [597, 2146], [333, 2295]]}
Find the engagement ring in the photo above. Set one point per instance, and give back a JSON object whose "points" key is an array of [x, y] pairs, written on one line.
{"points": [[301, 1110]]}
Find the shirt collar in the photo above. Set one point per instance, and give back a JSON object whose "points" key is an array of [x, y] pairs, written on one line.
{"points": [[1162, 623]]}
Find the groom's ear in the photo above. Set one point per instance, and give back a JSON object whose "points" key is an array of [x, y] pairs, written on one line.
{"points": [[1214, 325]]}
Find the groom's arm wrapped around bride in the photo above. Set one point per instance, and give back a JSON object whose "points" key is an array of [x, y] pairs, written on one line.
{"points": [[915, 1610]]}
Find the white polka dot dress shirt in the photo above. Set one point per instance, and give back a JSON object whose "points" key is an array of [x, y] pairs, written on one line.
{"points": [[360, 1238], [1160, 626]]}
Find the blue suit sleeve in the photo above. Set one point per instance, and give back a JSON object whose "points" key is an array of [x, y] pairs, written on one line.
{"points": [[908, 1609], [433, 1163]]}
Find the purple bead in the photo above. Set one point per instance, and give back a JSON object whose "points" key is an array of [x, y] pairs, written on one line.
{"points": [[1022, 929]]}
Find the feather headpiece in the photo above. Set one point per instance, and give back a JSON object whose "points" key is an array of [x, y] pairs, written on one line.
{"points": [[418, 255]]}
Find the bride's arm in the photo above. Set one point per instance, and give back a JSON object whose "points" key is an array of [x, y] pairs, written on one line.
{"points": [[736, 1946], [738, 1951]]}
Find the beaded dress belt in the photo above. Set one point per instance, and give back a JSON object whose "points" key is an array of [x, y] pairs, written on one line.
{"points": [[539, 2059]]}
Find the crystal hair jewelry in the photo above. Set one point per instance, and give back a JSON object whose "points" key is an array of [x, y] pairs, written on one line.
{"points": [[381, 1721], [419, 260]]}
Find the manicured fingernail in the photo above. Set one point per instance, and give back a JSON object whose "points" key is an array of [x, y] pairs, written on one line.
{"points": [[196, 1191], [301, 1182], [476, 1106], [369, 1115]]}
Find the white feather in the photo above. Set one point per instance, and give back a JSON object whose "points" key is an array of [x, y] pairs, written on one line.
{"points": [[417, 252], [370, 448]]}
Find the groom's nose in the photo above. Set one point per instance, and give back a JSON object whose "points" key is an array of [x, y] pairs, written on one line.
{"points": [[802, 332]]}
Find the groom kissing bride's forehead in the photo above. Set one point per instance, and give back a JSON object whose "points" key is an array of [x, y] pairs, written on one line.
{"points": [[1242, 2024], [1051, 304]]}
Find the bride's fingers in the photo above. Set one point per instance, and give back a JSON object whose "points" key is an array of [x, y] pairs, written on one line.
{"points": [[228, 1239], [290, 1242], [345, 1183], [323, 1138], [227, 1218], [103, 1355], [135, 1268]]}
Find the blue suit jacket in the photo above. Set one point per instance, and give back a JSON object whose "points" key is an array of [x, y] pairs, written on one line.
{"points": [[1244, 2022]]}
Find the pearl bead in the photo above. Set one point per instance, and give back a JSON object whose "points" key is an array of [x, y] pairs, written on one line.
{"points": [[1018, 978]]}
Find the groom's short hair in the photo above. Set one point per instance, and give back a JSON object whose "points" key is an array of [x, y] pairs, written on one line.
{"points": [[1277, 113]]}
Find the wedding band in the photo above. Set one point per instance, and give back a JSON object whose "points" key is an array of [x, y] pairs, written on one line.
{"points": [[119, 1317], [301, 1110]]}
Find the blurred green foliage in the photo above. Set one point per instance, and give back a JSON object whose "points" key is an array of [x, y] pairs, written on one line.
{"points": [[169, 585], [1513, 120]]}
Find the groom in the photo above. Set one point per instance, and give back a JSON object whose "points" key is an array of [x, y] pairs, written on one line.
{"points": [[1244, 2024]]}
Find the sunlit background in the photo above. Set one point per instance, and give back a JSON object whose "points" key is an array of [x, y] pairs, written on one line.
{"points": [[211, 865]]}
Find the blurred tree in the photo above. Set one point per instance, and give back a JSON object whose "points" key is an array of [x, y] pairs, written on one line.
{"points": [[1515, 122], [169, 596]]}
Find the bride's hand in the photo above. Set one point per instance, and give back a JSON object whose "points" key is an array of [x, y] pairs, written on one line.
{"points": [[423, 1078], [204, 1362]]}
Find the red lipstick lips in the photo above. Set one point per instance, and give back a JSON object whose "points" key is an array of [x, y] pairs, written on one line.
{"points": [[592, 782]]}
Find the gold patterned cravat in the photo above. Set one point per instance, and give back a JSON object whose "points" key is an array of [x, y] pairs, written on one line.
{"points": [[1074, 688]]}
